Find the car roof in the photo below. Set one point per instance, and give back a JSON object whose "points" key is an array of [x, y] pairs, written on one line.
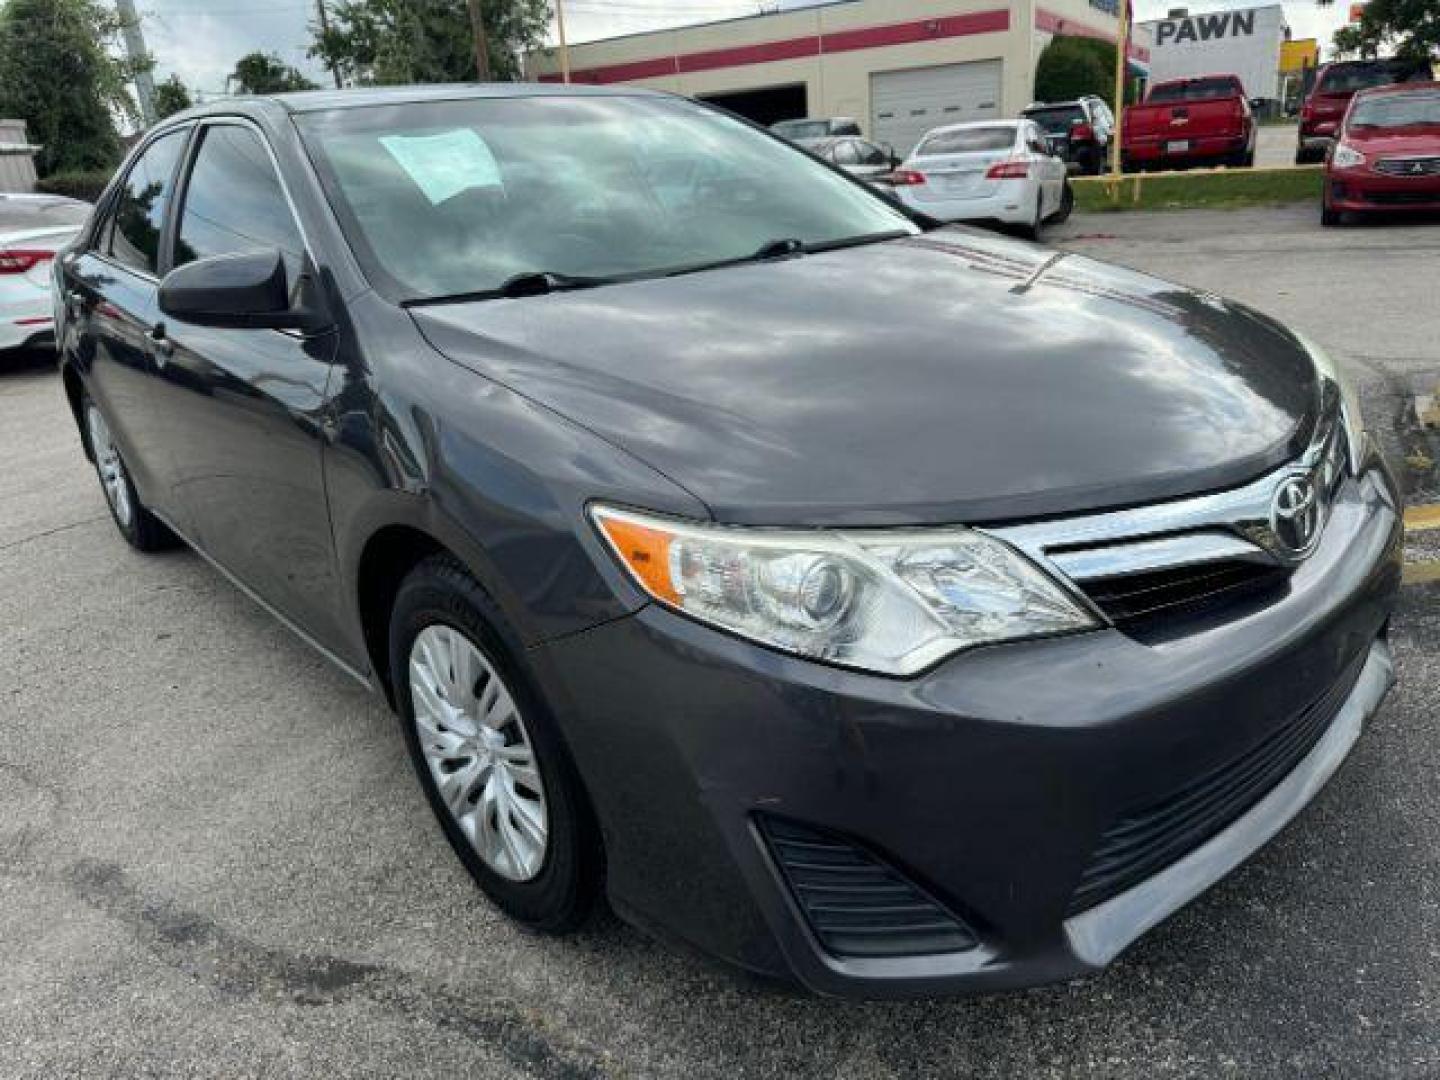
{"points": [[305, 101], [970, 125], [1074, 103], [1399, 88]]}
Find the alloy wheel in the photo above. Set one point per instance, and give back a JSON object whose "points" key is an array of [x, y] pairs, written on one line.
{"points": [[479, 752], [110, 468]]}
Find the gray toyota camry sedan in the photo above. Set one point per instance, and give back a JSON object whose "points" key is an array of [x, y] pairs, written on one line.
{"points": [[894, 608]]}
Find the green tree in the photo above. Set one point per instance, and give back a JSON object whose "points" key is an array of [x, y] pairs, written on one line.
{"points": [[1071, 67], [1406, 28], [426, 41], [266, 73], [59, 73], [170, 97]]}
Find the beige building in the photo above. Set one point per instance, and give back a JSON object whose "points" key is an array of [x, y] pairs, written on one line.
{"points": [[899, 67]]}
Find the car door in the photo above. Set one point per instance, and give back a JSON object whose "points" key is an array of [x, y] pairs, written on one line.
{"points": [[110, 295], [246, 407], [1050, 170]]}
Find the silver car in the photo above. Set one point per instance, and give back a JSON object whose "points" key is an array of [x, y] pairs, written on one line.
{"points": [[32, 229]]}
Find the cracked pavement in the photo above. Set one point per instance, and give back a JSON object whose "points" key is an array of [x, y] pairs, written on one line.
{"points": [[214, 860]]}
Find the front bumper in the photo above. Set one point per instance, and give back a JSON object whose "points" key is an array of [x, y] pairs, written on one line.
{"points": [[1362, 190], [988, 782]]}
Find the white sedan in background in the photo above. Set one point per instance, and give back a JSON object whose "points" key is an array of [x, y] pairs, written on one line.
{"points": [[994, 170], [32, 229]]}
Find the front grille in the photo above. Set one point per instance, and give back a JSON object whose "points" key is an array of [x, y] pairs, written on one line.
{"points": [[1146, 840], [1428, 166], [856, 904], [1133, 598]]}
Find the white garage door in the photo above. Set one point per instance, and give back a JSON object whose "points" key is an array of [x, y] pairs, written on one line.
{"points": [[904, 105]]}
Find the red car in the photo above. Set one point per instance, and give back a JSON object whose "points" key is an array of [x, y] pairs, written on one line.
{"points": [[1386, 155], [1204, 120], [1336, 84]]}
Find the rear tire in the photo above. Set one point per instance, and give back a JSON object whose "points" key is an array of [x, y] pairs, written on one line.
{"points": [[549, 884], [1329, 219], [1067, 204], [1033, 230], [141, 529]]}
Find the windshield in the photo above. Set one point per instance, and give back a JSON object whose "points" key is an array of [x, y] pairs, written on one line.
{"points": [[968, 140], [1396, 111], [447, 198], [1059, 120], [803, 129], [1348, 78], [1193, 90]]}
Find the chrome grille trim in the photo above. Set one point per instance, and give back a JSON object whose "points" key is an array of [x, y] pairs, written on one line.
{"points": [[1218, 527], [1406, 166]]}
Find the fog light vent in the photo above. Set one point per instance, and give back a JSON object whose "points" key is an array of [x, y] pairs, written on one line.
{"points": [[856, 904]]}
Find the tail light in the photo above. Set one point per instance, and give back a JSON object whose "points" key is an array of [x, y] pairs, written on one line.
{"points": [[1008, 170], [19, 260], [906, 178], [1082, 131]]}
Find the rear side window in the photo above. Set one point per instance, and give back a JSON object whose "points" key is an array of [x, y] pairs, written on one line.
{"points": [[134, 239], [234, 202], [1194, 90], [967, 140]]}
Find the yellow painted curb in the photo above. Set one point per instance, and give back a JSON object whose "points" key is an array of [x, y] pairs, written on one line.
{"points": [[1421, 573], [1420, 518]]}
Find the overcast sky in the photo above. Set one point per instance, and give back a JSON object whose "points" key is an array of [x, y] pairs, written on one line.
{"points": [[200, 40]]}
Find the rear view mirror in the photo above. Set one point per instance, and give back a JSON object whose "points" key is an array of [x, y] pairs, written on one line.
{"points": [[249, 290]]}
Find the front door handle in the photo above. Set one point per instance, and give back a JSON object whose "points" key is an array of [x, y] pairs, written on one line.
{"points": [[161, 345]]}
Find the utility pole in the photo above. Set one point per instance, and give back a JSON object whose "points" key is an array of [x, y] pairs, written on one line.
{"points": [[482, 49], [325, 33], [135, 47], [564, 46]]}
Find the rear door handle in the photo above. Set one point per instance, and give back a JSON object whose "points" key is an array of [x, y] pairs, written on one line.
{"points": [[163, 347]]}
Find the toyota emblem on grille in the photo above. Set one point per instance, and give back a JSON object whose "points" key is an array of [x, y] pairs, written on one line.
{"points": [[1295, 515]]}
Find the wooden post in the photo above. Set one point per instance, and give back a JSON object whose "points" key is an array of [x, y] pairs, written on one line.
{"points": [[564, 46], [482, 49], [1122, 60]]}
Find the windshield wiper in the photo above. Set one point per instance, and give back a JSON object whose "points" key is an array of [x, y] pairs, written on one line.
{"points": [[525, 283], [539, 282]]}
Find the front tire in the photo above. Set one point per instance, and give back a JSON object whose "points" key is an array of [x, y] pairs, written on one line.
{"points": [[487, 752], [141, 529]]}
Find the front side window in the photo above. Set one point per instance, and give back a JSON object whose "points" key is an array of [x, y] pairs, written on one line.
{"points": [[455, 197], [234, 202], [134, 239], [870, 154]]}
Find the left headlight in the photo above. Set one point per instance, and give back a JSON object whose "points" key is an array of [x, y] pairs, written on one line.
{"points": [[888, 601], [1350, 415]]}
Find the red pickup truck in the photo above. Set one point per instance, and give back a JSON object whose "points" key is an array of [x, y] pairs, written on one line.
{"points": [[1205, 119]]}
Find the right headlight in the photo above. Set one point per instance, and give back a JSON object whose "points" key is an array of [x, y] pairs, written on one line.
{"points": [[1346, 156], [888, 601], [1355, 438]]}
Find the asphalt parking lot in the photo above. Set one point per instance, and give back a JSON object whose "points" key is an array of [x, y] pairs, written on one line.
{"points": [[214, 860]]}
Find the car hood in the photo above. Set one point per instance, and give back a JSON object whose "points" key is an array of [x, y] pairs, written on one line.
{"points": [[955, 377], [1421, 140]]}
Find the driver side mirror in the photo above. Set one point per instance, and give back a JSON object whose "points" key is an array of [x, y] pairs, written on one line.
{"points": [[250, 290]]}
